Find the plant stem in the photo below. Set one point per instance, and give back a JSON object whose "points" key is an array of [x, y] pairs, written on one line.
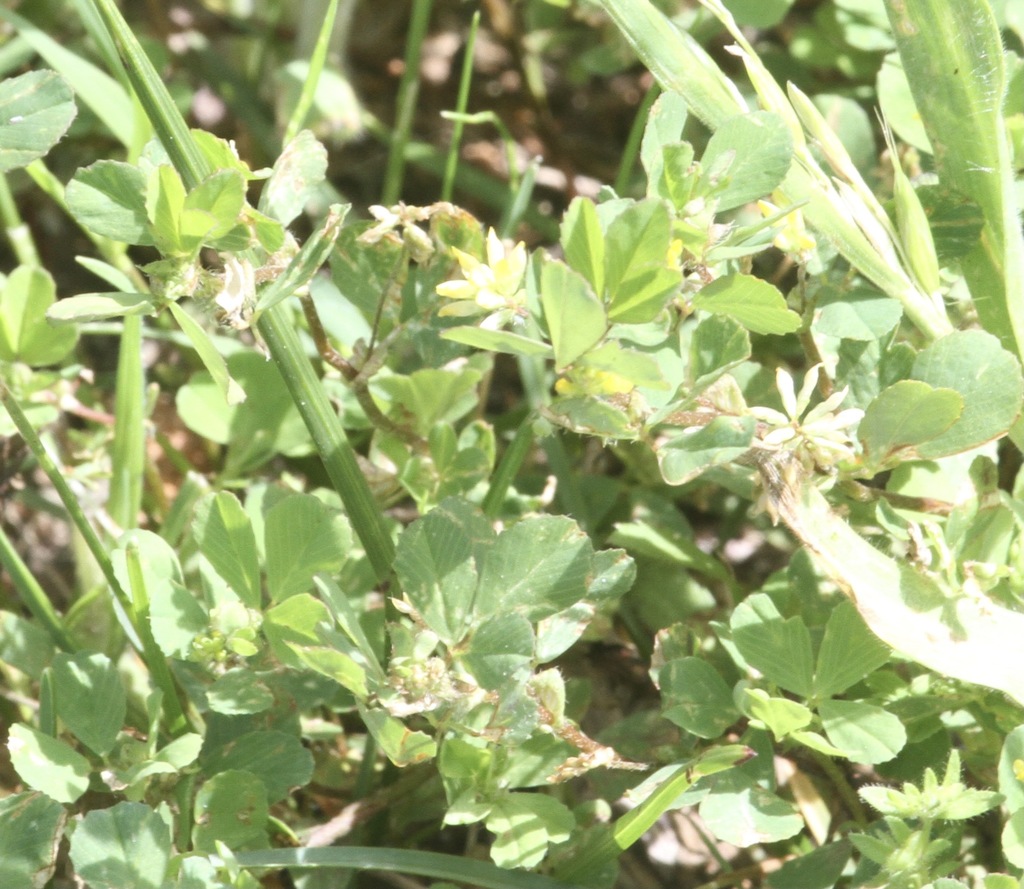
{"points": [[465, 78], [408, 91]]}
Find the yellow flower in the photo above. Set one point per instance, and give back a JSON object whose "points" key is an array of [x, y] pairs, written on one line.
{"points": [[495, 286], [793, 237]]}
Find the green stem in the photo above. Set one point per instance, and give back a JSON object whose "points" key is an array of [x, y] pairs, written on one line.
{"points": [[32, 595], [129, 448], [408, 91], [508, 468], [465, 78], [316, 66], [123, 605], [276, 328], [18, 234], [636, 135]]}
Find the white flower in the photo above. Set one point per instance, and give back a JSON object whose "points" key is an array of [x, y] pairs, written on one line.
{"points": [[495, 286], [237, 296], [820, 433]]}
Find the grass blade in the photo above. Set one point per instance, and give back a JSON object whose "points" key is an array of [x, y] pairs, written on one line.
{"points": [[316, 66], [953, 55], [32, 595], [425, 864], [408, 90]]}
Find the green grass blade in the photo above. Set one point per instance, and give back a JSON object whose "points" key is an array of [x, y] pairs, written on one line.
{"points": [[952, 53], [156, 101], [316, 66], [32, 595], [128, 455], [97, 89], [636, 822], [465, 78], [123, 607], [676, 60], [408, 90], [425, 864], [277, 328]]}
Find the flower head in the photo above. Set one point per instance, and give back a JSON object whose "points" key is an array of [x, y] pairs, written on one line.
{"points": [[495, 286], [819, 436]]}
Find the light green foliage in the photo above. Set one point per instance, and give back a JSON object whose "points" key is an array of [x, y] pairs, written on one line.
{"points": [[127, 845], [36, 110], [770, 339]]}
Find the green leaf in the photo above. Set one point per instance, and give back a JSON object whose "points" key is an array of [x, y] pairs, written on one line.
{"points": [[583, 241], [430, 395], [638, 278], [307, 262], [1013, 839], [303, 537], [573, 315], [127, 846], [780, 649], [686, 455], [538, 567], [36, 109], [500, 650], [230, 808], [239, 692], [31, 825], [48, 765], [109, 199], [498, 341], [717, 344], [756, 304], [436, 566], [208, 354], [295, 622], [25, 336], [820, 868], [905, 415], [279, 760], [664, 127], [1011, 764], [862, 314], [335, 664], [849, 651], [176, 616], [955, 220], [695, 697], [225, 536], [100, 307], [782, 716], [165, 203], [742, 812], [401, 745], [298, 172], [24, 645], [987, 378], [761, 147], [864, 732], [221, 196], [525, 825], [80, 680]]}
